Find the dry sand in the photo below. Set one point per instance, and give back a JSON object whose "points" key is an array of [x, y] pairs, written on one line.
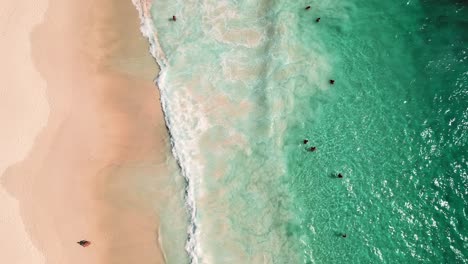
{"points": [[94, 160], [23, 114]]}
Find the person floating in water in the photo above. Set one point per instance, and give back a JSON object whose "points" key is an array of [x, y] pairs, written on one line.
{"points": [[343, 235], [332, 81], [312, 149], [307, 7], [84, 243], [174, 18], [317, 20], [306, 141], [340, 175]]}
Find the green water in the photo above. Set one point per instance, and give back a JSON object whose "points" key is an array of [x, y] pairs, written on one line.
{"points": [[244, 82], [394, 125]]}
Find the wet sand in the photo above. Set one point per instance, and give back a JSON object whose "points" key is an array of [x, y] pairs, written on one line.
{"points": [[100, 169]]}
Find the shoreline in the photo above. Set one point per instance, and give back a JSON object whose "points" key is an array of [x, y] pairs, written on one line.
{"points": [[148, 31], [101, 169]]}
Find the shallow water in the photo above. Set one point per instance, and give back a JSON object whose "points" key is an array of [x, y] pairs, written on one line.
{"points": [[244, 82]]}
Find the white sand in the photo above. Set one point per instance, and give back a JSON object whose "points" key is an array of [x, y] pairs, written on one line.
{"points": [[85, 153], [23, 113]]}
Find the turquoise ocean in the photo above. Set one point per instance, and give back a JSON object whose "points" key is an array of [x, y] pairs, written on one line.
{"points": [[244, 82]]}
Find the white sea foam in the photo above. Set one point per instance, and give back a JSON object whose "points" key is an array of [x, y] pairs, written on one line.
{"points": [[219, 14], [229, 81], [183, 152]]}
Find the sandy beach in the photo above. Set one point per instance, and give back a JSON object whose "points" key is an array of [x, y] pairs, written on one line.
{"points": [[88, 154], [24, 114]]}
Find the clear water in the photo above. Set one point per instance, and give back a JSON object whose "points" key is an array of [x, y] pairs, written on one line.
{"points": [[244, 82]]}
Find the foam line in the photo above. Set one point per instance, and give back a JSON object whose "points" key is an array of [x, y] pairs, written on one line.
{"points": [[148, 31]]}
